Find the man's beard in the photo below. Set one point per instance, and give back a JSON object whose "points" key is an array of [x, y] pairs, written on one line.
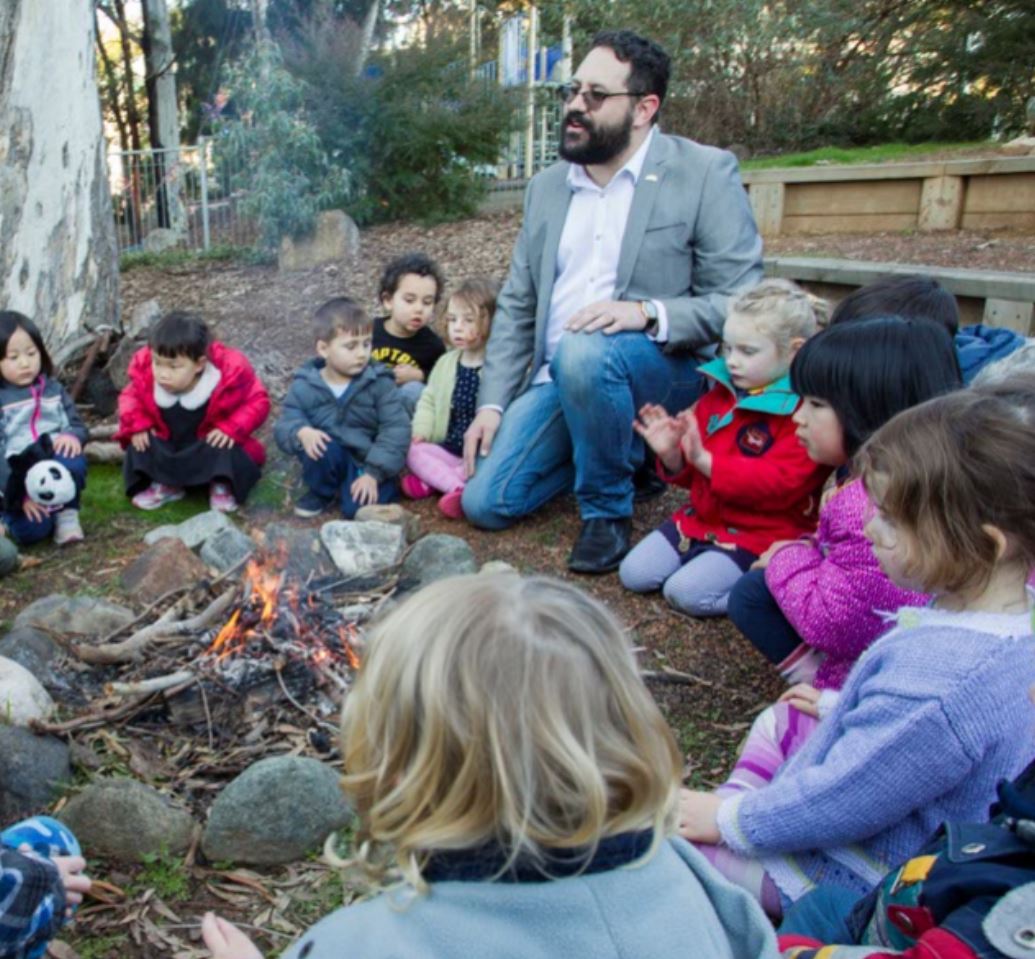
{"points": [[601, 143]]}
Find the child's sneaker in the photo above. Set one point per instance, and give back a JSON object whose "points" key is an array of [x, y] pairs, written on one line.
{"points": [[66, 527], [310, 504], [221, 498], [414, 487], [450, 505], [157, 495]]}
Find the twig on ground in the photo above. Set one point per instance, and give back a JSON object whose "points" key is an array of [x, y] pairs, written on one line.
{"points": [[674, 676]]}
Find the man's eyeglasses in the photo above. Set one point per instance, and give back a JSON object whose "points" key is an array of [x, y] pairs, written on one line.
{"points": [[594, 99]]}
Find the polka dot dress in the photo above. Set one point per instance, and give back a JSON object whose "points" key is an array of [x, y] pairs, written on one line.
{"points": [[462, 407]]}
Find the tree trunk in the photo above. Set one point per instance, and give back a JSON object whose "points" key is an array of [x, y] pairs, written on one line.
{"points": [[58, 263], [163, 121]]}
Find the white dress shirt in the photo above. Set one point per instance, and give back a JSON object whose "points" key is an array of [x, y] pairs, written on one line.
{"points": [[591, 242]]}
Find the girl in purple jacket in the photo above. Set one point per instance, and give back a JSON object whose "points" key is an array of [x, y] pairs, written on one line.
{"points": [[812, 605]]}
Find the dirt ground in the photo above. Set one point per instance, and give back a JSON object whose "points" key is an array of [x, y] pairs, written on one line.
{"points": [[266, 313]]}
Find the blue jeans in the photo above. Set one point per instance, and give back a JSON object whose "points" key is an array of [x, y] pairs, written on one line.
{"points": [[823, 915], [576, 431], [25, 531], [331, 477]]}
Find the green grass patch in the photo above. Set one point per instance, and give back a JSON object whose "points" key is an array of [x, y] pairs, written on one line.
{"points": [[104, 500], [100, 947], [878, 153], [222, 252], [165, 874]]}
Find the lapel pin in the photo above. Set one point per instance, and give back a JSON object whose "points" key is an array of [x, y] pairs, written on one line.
{"points": [[651, 178]]}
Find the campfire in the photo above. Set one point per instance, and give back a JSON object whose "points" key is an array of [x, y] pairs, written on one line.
{"points": [[265, 640]]}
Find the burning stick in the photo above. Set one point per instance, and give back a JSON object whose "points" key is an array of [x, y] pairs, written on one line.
{"points": [[133, 646]]}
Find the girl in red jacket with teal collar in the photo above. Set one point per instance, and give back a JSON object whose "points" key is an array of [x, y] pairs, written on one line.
{"points": [[751, 483], [187, 418]]}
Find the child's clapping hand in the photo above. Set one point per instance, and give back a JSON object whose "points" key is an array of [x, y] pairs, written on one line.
{"points": [[313, 441], [692, 445], [225, 941], [662, 433]]}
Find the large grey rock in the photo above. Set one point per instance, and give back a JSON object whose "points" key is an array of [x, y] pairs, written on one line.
{"points": [[300, 551], [168, 565], [276, 811], [161, 239], [439, 556], [33, 649], [22, 696], [363, 549], [191, 532], [32, 771], [394, 514], [335, 238], [125, 820], [74, 615], [226, 548]]}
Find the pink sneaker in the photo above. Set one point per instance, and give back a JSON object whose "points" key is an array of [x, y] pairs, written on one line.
{"points": [[414, 487], [449, 505], [157, 495], [221, 497]]}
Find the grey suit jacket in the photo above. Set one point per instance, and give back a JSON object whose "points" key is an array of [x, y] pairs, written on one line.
{"points": [[690, 241]]}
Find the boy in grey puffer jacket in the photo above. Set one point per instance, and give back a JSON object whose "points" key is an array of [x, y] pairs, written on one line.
{"points": [[343, 418]]}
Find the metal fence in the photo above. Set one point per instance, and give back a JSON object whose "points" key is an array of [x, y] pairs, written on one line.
{"points": [[185, 198]]}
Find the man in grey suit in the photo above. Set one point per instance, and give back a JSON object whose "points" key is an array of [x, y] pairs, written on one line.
{"points": [[619, 279]]}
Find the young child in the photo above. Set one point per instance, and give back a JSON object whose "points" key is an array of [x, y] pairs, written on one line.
{"points": [[448, 405], [936, 712], [813, 605], [34, 405], [507, 763], [411, 286], [343, 417], [187, 417], [750, 481], [41, 881], [923, 298]]}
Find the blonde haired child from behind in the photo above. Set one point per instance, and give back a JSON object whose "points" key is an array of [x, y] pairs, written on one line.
{"points": [[513, 775], [450, 400]]}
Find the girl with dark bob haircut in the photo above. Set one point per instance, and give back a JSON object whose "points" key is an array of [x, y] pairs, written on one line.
{"points": [[912, 297], [871, 369]]}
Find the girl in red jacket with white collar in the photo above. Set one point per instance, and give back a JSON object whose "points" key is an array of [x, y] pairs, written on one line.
{"points": [[187, 418], [751, 483]]}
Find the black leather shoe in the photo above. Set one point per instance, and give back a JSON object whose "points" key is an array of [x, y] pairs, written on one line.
{"points": [[601, 545]]}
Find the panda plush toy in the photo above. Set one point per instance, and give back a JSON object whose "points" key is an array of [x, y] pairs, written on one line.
{"points": [[36, 474]]}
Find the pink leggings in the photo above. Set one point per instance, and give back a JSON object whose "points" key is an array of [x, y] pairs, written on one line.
{"points": [[776, 735], [439, 468]]}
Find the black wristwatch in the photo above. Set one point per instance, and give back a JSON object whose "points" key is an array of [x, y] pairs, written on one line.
{"points": [[650, 314]]}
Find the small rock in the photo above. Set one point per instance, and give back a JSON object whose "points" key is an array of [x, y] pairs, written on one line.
{"points": [[300, 551], [335, 238], [363, 549], [8, 556], [356, 612], [191, 532], [74, 615], [22, 696], [33, 649], [1019, 147], [32, 771], [125, 820], [226, 548], [276, 811], [161, 239], [494, 566], [166, 566], [394, 514], [439, 556]]}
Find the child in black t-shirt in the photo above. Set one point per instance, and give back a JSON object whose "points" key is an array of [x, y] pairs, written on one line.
{"points": [[410, 289]]}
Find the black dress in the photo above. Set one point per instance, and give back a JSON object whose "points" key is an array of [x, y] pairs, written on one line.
{"points": [[184, 460]]}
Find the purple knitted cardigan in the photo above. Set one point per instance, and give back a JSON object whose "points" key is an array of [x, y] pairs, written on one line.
{"points": [[831, 588]]}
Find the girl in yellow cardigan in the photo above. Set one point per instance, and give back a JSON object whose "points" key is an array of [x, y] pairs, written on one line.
{"points": [[448, 404]]}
